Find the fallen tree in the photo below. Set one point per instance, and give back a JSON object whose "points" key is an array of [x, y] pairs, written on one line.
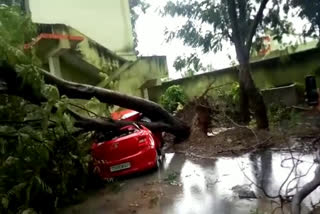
{"points": [[12, 83]]}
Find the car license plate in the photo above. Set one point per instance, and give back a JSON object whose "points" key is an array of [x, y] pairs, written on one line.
{"points": [[120, 167]]}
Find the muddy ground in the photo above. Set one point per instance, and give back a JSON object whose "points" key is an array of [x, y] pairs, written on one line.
{"points": [[225, 137], [201, 186]]}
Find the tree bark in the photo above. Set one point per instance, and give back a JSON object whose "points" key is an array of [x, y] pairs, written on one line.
{"points": [[11, 83], [100, 124], [244, 103], [252, 94], [249, 94]]}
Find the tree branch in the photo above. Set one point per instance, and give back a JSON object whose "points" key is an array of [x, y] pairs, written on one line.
{"points": [[236, 36], [304, 192], [255, 24], [164, 120], [306, 189], [84, 91], [102, 124]]}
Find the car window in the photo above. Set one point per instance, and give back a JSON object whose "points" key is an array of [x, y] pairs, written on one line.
{"points": [[125, 132], [106, 136]]}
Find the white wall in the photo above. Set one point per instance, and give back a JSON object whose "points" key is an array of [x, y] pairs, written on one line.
{"points": [[105, 21]]}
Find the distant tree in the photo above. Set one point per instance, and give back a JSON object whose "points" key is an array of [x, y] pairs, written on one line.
{"points": [[309, 9], [240, 22], [191, 63]]}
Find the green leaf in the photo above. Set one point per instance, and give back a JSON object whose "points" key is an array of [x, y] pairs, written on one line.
{"points": [[51, 93], [29, 211], [172, 98], [16, 190], [5, 202]]}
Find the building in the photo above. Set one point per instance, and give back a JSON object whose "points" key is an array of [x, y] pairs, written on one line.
{"points": [[92, 42], [279, 74]]}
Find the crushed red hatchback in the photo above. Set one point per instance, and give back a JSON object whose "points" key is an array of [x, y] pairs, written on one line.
{"points": [[133, 148]]}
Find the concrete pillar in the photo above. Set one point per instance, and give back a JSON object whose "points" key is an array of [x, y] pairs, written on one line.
{"points": [[54, 65], [145, 93]]}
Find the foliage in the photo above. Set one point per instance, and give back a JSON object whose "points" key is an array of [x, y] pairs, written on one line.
{"points": [[173, 97], [13, 22], [98, 108], [230, 94], [15, 30], [308, 9], [91, 108], [234, 92], [208, 23], [42, 165], [172, 178], [228, 100], [279, 114], [191, 63]]}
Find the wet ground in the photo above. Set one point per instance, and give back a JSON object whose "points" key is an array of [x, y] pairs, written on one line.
{"points": [[196, 186]]}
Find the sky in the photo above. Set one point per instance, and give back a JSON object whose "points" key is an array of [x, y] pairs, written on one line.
{"points": [[150, 29]]}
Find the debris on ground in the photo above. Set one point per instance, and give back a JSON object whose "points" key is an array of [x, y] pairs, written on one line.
{"points": [[214, 132], [134, 205], [171, 179], [244, 191]]}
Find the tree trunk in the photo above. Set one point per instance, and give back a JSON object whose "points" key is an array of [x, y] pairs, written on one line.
{"points": [[99, 124], [249, 92], [242, 40], [244, 104], [11, 83], [250, 95]]}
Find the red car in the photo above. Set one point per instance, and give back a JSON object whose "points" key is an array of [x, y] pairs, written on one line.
{"points": [[133, 149]]}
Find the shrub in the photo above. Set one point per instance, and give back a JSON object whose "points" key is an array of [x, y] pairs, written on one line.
{"points": [[42, 166], [280, 115], [172, 98], [228, 100]]}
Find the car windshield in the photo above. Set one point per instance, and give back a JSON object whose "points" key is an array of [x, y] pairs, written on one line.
{"points": [[126, 131]]}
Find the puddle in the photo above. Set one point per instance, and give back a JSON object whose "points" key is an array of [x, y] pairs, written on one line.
{"points": [[184, 186]]}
